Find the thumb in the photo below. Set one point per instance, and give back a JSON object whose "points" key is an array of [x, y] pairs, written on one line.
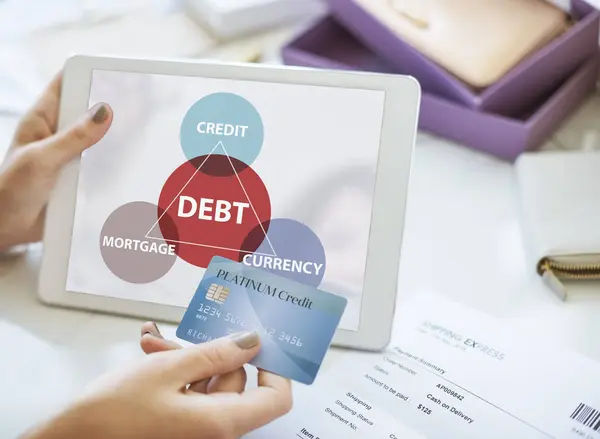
{"points": [[216, 357], [69, 143]]}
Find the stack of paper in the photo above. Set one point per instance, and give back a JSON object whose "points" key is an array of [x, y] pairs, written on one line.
{"points": [[232, 18], [450, 372]]}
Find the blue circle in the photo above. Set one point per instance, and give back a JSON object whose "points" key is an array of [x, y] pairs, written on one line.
{"points": [[291, 240], [222, 117]]}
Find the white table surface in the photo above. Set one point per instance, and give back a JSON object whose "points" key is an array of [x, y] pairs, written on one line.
{"points": [[462, 240]]}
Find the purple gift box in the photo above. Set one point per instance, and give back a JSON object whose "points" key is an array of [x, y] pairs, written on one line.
{"points": [[529, 81], [327, 44]]}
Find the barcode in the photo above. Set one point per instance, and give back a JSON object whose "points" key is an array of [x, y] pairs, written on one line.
{"points": [[588, 416]]}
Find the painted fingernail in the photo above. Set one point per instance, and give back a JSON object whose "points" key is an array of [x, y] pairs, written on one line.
{"points": [[156, 331], [246, 340], [100, 114], [153, 331]]}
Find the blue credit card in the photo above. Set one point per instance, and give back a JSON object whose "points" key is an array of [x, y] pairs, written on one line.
{"points": [[296, 322]]}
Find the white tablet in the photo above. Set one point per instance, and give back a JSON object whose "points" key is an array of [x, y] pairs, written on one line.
{"points": [[297, 171]]}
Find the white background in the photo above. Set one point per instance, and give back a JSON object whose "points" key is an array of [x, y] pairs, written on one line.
{"points": [[142, 149]]}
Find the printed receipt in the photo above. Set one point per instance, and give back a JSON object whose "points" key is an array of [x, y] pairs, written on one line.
{"points": [[450, 373]]}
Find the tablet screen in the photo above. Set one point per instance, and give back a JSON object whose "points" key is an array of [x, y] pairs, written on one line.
{"points": [[276, 176]]}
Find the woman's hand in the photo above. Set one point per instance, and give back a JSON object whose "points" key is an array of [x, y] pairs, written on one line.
{"points": [[152, 400], [34, 160], [152, 341]]}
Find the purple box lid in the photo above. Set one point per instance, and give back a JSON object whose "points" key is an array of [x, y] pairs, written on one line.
{"points": [[526, 83], [329, 45]]}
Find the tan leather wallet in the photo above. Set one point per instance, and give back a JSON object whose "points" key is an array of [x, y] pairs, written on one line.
{"points": [[476, 40]]}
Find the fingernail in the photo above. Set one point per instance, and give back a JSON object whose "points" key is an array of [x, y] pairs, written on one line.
{"points": [[246, 340], [153, 331], [100, 114]]}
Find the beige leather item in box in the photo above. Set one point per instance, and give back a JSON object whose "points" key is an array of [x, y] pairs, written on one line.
{"points": [[477, 40]]}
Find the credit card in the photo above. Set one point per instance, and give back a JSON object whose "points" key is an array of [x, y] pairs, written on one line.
{"points": [[296, 322]]}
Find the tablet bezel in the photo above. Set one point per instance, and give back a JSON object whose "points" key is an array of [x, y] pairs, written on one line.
{"points": [[400, 117]]}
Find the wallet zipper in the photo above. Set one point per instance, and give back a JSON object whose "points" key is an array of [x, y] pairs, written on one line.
{"points": [[570, 271], [553, 272]]}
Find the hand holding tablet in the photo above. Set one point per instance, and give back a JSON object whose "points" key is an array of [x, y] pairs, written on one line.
{"points": [[298, 173], [34, 160]]}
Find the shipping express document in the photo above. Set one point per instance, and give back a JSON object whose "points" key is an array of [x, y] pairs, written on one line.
{"points": [[453, 373], [275, 176]]}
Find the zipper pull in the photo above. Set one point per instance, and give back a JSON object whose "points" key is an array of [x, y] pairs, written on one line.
{"points": [[552, 282]]}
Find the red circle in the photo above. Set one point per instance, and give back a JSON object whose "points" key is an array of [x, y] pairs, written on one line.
{"points": [[215, 182]]}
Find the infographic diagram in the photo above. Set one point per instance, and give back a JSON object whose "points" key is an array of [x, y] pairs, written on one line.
{"points": [[214, 203]]}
